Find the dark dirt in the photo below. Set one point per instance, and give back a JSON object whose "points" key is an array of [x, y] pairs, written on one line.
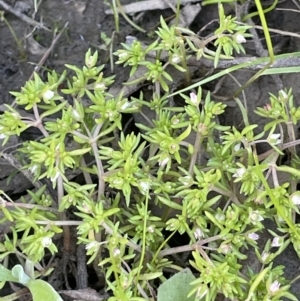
{"points": [[86, 21]]}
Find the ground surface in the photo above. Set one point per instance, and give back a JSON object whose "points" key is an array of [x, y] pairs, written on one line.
{"points": [[87, 20]]}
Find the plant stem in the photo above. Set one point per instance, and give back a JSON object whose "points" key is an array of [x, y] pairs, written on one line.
{"points": [[197, 147], [144, 237], [188, 248], [101, 183]]}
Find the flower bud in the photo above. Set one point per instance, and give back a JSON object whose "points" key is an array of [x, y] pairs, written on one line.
{"points": [[47, 95], [116, 252], [175, 59], [274, 287], [295, 198], [91, 245], [253, 236], [91, 60], [46, 242], [277, 242], [239, 38], [194, 98], [225, 248], [274, 139], [265, 256], [255, 217], [239, 172], [198, 233]]}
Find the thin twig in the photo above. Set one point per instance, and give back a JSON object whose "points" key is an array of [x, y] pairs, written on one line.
{"points": [[45, 56], [282, 32], [21, 16], [188, 248], [296, 4], [224, 64]]}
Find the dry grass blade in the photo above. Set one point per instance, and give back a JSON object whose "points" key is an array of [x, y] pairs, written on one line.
{"points": [[137, 7]]}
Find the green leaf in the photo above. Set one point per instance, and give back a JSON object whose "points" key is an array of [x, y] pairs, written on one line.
{"points": [[289, 296], [6, 275], [150, 276], [41, 290], [214, 220], [177, 287], [169, 203], [288, 169], [29, 268], [18, 272], [54, 110], [256, 282], [78, 152], [185, 134]]}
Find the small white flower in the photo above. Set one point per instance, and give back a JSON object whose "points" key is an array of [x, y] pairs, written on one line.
{"points": [[265, 256], [198, 233], [48, 95], [239, 38], [100, 86], [116, 252], [89, 62], [55, 177], [125, 282], [283, 94], [110, 115], [150, 229], [225, 248], [2, 136], [255, 217], [274, 139], [274, 287], [239, 172], [130, 40], [258, 201], [175, 59], [220, 216], [186, 180], [33, 168], [237, 147], [70, 199], [193, 98], [145, 186], [86, 208], [276, 242], [75, 114], [253, 236], [118, 182], [175, 121], [91, 245], [164, 161], [125, 105], [201, 293], [296, 199], [46, 242]]}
